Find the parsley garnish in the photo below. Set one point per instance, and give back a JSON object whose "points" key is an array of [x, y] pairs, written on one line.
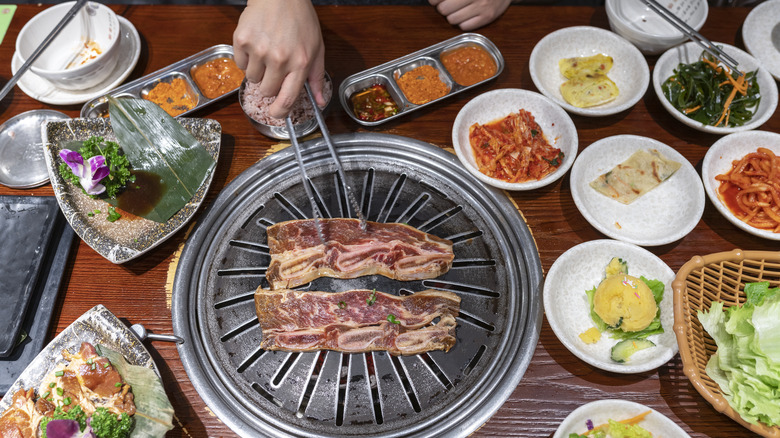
{"points": [[534, 132], [555, 161], [371, 298], [119, 166], [392, 319]]}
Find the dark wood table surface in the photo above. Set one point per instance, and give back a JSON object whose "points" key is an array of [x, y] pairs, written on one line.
{"points": [[356, 38]]}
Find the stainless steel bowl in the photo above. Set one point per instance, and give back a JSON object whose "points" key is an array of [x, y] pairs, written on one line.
{"points": [[280, 132]]}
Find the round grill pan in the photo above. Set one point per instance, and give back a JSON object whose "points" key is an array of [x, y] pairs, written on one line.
{"points": [[496, 272]]}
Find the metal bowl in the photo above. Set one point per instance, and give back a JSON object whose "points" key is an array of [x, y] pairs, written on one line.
{"points": [[280, 132]]}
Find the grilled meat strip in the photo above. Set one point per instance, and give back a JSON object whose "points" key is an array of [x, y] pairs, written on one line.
{"points": [[394, 250], [357, 321]]}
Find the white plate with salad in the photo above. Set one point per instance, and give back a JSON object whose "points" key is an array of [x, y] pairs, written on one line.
{"points": [[597, 413], [568, 307], [690, 54]]}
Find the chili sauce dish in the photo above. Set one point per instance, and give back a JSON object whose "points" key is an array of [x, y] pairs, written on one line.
{"points": [[182, 87], [679, 65], [385, 92], [628, 73], [551, 138]]}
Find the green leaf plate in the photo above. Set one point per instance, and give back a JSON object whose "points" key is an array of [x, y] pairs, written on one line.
{"points": [[129, 237]]}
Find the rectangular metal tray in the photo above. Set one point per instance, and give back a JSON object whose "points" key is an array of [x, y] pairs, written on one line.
{"points": [[385, 74], [138, 88]]}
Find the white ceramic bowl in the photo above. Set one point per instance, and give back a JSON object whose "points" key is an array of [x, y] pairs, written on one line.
{"points": [[601, 411], [629, 72], [690, 52], [581, 268], [647, 30], [556, 125], [663, 215], [66, 62], [762, 35], [718, 161]]}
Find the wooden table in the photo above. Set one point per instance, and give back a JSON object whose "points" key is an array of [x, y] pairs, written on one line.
{"points": [[357, 38]]}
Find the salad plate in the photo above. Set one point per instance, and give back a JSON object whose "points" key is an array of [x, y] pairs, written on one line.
{"points": [[761, 33], [123, 240], [566, 304], [629, 72], [718, 160], [601, 411], [689, 53], [663, 215]]}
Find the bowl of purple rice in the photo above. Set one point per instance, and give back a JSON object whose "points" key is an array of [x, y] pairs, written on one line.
{"points": [[255, 107]]}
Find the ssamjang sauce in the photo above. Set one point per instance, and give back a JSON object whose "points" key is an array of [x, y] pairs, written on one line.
{"points": [[469, 64], [217, 77]]}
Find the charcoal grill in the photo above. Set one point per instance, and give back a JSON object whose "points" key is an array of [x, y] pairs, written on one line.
{"points": [[496, 272]]}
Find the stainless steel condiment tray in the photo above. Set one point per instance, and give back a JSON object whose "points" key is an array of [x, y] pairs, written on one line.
{"points": [[98, 107], [387, 73]]}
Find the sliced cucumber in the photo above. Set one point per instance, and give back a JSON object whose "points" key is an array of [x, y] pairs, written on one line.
{"points": [[625, 348]]}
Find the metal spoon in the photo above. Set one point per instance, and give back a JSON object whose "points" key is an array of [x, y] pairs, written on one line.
{"points": [[44, 44], [142, 334]]}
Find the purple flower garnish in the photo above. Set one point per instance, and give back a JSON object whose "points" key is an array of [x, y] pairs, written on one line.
{"points": [[67, 429], [589, 423], [89, 174]]}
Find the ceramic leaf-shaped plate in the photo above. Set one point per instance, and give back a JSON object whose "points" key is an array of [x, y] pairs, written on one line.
{"points": [[130, 236]]}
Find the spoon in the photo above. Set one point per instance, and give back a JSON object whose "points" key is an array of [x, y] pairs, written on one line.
{"points": [[142, 334]]}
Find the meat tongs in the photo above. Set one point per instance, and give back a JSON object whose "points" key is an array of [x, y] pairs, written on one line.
{"points": [[315, 210], [335, 156]]}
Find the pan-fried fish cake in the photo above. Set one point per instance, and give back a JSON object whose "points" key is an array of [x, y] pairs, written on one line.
{"points": [[640, 173], [585, 65], [587, 91]]}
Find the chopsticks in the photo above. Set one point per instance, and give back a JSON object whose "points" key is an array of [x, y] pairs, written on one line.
{"points": [[693, 35], [335, 156]]}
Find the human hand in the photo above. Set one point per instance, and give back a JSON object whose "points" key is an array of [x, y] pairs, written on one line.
{"points": [[279, 44], [470, 14]]}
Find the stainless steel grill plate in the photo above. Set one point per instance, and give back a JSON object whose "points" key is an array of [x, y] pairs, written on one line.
{"points": [[496, 272]]}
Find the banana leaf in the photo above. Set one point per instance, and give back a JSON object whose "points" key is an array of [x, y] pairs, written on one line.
{"points": [[154, 412], [156, 144]]}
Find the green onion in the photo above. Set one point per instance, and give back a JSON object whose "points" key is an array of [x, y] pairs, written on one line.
{"points": [[342, 305], [392, 319], [60, 391], [59, 373], [371, 298]]}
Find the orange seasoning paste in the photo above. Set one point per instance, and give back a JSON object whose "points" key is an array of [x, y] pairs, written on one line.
{"points": [[422, 84], [469, 64], [174, 97], [217, 77], [513, 149]]}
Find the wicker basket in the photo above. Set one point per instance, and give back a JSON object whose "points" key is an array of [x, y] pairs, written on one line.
{"points": [[702, 280]]}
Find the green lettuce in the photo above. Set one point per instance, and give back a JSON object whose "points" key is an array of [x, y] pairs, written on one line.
{"points": [[746, 366]]}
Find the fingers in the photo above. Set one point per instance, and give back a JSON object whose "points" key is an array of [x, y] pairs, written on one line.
{"points": [[470, 14]]}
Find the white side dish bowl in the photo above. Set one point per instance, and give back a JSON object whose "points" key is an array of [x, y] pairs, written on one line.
{"points": [[761, 33], [84, 53], [566, 305], [663, 215], [601, 411], [689, 53], [648, 31], [556, 125], [718, 160], [629, 72]]}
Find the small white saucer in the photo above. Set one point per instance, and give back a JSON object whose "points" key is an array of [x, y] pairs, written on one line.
{"points": [[601, 411], [42, 90], [761, 33]]}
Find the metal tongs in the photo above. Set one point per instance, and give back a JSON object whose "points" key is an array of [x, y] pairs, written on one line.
{"points": [[693, 35], [339, 168]]}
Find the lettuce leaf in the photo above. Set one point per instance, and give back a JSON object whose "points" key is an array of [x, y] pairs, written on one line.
{"points": [[746, 366]]}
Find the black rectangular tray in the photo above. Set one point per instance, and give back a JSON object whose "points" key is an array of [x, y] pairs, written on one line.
{"points": [[34, 322]]}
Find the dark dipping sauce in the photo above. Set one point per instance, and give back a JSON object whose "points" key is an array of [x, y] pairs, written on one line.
{"points": [[141, 196], [469, 64], [373, 103]]}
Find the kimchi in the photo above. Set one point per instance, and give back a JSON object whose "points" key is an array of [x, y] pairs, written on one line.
{"points": [[513, 149]]}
